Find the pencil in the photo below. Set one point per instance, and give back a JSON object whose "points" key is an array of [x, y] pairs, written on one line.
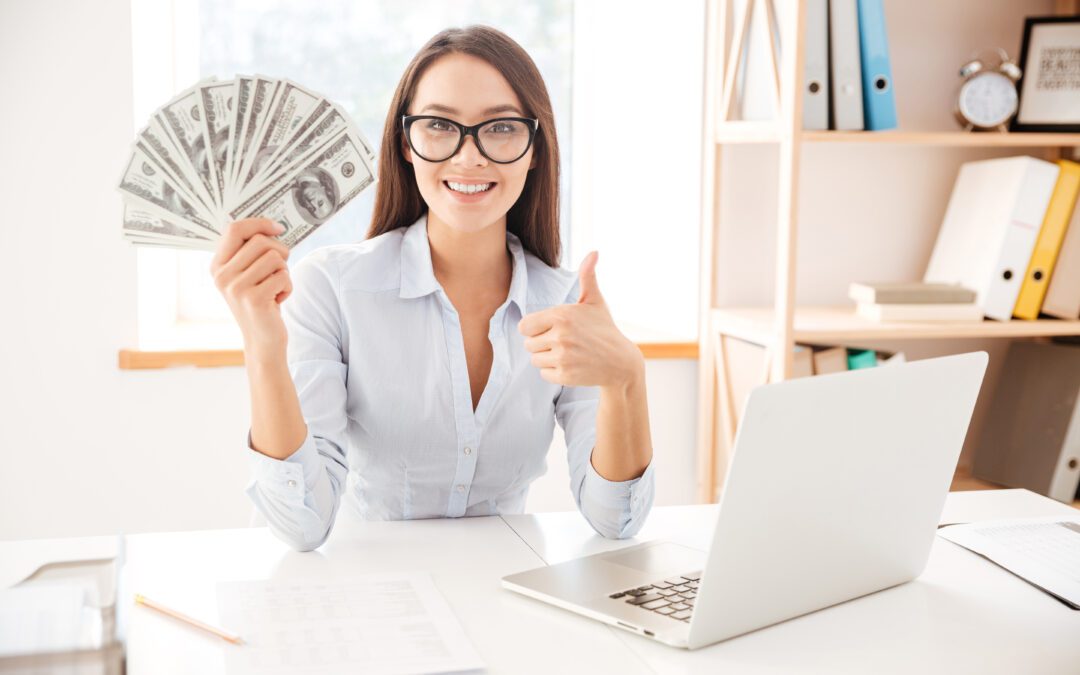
{"points": [[225, 635]]}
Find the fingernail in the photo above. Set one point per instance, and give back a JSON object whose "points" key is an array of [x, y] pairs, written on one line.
{"points": [[279, 228]]}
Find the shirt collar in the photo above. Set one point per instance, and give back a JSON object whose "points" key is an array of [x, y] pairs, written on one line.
{"points": [[418, 274]]}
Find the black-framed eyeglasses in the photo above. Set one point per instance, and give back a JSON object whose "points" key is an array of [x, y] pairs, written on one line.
{"points": [[502, 140]]}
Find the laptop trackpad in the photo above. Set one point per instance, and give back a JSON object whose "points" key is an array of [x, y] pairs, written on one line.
{"points": [[662, 558]]}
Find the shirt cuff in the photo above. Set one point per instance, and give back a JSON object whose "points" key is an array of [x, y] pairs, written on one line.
{"points": [[291, 477], [617, 493]]}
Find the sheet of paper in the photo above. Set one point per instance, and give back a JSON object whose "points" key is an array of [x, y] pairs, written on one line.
{"points": [[1043, 551], [380, 623]]}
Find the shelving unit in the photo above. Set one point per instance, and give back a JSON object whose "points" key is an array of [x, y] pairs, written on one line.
{"points": [[785, 323]]}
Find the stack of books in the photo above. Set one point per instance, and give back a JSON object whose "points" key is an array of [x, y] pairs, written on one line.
{"points": [[914, 301]]}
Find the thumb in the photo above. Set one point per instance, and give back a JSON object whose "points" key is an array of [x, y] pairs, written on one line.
{"points": [[590, 289]]}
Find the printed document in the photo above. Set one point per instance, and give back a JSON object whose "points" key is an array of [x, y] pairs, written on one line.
{"points": [[379, 623]]}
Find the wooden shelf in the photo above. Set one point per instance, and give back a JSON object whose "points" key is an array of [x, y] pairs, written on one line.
{"points": [[780, 78], [965, 139], [737, 133], [839, 325]]}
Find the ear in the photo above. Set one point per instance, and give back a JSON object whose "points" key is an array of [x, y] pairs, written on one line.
{"points": [[406, 150]]}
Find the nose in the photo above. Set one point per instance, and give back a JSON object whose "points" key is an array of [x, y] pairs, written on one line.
{"points": [[469, 154]]}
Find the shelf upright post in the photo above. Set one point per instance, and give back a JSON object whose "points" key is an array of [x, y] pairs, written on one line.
{"points": [[787, 203], [716, 17]]}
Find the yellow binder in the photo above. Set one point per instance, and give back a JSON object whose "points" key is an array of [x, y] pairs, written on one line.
{"points": [[1051, 234]]}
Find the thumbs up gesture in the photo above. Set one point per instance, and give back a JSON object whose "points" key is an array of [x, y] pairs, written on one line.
{"points": [[578, 344]]}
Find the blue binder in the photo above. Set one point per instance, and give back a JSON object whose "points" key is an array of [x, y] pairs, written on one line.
{"points": [[879, 105]]}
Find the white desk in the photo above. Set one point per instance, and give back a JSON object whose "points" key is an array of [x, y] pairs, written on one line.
{"points": [[964, 614]]}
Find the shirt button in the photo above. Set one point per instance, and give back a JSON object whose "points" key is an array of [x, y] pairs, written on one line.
{"points": [[292, 483], [461, 488], [468, 451]]}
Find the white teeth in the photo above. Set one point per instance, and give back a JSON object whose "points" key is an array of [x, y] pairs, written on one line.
{"points": [[469, 189]]}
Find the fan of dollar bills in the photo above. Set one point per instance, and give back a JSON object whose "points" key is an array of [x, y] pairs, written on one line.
{"points": [[252, 146]]}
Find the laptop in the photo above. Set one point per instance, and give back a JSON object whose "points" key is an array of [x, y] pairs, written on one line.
{"points": [[834, 491]]}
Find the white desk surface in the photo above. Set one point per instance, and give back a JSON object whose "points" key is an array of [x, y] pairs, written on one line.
{"points": [[963, 614]]}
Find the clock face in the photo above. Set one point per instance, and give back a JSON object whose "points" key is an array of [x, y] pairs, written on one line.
{"points": [[988, 99]]}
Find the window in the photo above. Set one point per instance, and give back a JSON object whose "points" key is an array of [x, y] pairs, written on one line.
{"points": [[631, 168], [352, 51]]}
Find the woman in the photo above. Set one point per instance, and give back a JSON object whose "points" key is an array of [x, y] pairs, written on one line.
{"points": [[421, 371]]}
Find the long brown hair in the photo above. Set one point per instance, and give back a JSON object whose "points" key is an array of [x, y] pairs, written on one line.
{"points": [[534, 217]]}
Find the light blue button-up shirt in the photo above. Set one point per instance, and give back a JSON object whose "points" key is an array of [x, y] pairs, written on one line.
{"points": [[377, 356]]}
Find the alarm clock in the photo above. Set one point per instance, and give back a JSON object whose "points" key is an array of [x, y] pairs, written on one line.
{"points": [[987, 98]]}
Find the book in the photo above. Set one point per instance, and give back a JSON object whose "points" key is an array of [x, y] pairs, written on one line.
{"points": [[1062, 299], [1048, 244], [991, 223], [858, 359], [919, 312], [816, 66], [879, 105], [909, 292], [1032, 436], [846, 66], [831, 360]]}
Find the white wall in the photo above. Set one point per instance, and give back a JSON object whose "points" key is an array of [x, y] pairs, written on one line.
{"points": [[85, 447]]}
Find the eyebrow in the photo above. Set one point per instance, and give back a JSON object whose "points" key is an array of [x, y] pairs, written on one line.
{"points": [[490, 111]]}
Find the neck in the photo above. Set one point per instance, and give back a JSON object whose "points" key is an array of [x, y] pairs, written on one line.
{"points": [[478, 260]]}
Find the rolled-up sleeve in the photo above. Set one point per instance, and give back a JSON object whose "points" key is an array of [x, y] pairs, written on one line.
{"points": [[615, 509], [299, 496]]}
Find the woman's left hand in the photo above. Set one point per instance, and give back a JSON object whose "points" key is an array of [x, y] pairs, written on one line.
{"points": [[578, 344]]}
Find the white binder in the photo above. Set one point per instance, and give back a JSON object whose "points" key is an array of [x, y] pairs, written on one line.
{"points": [[990, 227], [816, 66], [846, 65]]}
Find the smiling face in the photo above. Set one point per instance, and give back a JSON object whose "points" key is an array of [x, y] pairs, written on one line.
{"points": [[468, 90]]}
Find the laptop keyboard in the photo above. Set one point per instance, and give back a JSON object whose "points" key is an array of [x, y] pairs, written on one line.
{"points": [[674, 597]]}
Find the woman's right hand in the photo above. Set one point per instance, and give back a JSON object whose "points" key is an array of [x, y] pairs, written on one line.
{"points": [[250, 271]]}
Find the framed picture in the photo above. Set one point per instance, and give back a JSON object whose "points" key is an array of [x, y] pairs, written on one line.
{"points": [[1049, 85]]}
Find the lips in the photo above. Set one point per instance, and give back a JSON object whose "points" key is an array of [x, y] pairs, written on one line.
{"points": [[467, 198], [489, 183]]}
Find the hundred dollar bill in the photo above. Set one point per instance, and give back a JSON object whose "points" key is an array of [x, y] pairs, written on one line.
{"points": [[291, 106], [181, 119], [145, 184], [262, 90], [155, 144], [334, 122], [316, 191], [242, 98], [313, 134], [216, 100], [175, 184], [195, 244], [146, 225], [256, 193]]}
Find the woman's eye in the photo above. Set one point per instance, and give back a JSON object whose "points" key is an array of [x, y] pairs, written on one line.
{"points": [[438, 125], [501, 128]]}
